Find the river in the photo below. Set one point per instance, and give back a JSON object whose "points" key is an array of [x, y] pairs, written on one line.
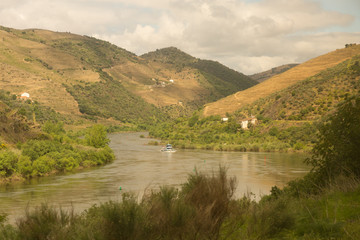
{"points": [[140, 167]]}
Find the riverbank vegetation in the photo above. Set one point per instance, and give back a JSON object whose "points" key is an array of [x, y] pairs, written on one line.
{"points": [[54, 151], [286, 120], [34, 142], [322, 205], [212, 133]]}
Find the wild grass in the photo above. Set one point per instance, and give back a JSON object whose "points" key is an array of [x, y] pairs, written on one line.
{"points": [[202, 208]]}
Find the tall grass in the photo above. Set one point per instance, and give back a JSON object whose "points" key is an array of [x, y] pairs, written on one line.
{"points": [[202, 208], [196, 210]]}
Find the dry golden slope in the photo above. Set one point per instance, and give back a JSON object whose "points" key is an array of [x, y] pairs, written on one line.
{"points": [[20, 71], [301, 72], [184, 88], [41, 62]]}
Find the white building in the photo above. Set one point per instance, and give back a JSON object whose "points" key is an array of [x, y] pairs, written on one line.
{"points": [[25, 95], [245, 123]]}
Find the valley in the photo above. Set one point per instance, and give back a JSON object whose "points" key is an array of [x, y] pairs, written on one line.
{"points": [[74, 112]]}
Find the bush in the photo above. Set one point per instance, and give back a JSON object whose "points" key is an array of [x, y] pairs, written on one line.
{"points": [[337, 150], [45, 222], [8, 163], [25, 166], [37, 148], [118, 220], [269, 218], [96, 136], [43, 165], [66, 164], [56, 128]]}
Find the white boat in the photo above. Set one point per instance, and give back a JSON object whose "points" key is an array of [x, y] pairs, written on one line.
{"points": [[168, 148]]}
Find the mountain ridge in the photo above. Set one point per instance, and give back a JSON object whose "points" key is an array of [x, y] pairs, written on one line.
{"points": [[310, 68], [262, 76], [61, 70]]}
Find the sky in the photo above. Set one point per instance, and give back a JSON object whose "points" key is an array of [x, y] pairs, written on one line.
{"points": [[249, 36]]}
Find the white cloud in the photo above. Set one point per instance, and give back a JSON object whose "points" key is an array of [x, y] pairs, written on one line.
{"points": [[248, 37]]}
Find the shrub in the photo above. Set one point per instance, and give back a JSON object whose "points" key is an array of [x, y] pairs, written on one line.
{"points": [[269, 218], [66, 164], [337, 151], [53, 128], [37, 148], [210, 196], [8, 161], [25, 166], [96, 136], [45, 222], [274, 131], [118, 220], [43, 165], [193, 120]]}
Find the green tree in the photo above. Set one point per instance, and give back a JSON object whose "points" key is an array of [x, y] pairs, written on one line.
{"points": [[193, 120], [53, 128], [337, 150], [96, 136], [25, 166], [37, 148], [43, 165], [8, 162]]}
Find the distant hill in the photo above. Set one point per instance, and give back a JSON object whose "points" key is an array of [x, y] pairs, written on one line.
{"points": [[287, 118], [260, 77], [83, 77], [312, 98], [218, 79], [279, 82]]}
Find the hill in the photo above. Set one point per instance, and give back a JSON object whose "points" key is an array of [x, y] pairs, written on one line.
{"points": [[279, 82], [260, 77], [287, 119], [217, 79], [311, 99], [85, 78]]}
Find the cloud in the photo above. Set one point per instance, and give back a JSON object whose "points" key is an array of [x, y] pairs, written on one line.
{"points": [[247, 36]]}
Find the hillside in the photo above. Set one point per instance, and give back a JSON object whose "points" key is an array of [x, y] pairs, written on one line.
{"points": [[262, 76], [216, 78], [14, 126], [287, 119], [85, 78], [311, 99], [279, 82]]}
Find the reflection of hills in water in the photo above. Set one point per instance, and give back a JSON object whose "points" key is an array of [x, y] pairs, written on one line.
{"points": [[258, 172], [139, 167]]}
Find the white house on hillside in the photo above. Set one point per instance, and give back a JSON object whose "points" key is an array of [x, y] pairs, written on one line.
{"points": [[25, 96], [245, 122]]}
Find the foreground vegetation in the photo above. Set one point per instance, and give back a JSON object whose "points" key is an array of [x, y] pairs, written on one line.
{"points": [[322, 205]]}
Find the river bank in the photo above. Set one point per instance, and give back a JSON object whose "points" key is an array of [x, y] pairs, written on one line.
{"points": [[205, 207], [139, 167]]}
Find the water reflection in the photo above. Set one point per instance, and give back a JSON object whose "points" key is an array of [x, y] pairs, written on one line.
{"points": [[139, 166]]}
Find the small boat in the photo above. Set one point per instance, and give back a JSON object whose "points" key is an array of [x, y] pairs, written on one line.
{"points": [[168, 148]]}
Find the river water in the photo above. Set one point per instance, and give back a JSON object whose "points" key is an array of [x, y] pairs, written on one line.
{"points": [[140, 167]]}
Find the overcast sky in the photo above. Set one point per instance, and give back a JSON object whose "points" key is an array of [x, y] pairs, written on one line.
{"points": [[247, 35]]}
